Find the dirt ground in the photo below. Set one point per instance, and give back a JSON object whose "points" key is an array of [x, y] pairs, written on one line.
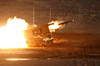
{"points": [[64, 46]]}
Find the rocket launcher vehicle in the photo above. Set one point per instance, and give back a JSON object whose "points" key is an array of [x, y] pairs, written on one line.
{"points": [[41, 34]]}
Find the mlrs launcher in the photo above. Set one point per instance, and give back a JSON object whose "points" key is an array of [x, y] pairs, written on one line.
{"points": [[41, 35]]}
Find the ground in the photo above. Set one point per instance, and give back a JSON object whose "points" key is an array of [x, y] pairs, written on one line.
{"points": [[69, 48]]}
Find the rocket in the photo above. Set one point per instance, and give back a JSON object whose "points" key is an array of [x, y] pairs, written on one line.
{"points": [[62, 23]]}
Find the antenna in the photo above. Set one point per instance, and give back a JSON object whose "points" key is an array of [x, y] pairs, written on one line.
{"points": [[34, 25], [33, 16]]}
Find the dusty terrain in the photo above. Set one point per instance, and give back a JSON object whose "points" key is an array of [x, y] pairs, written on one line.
{"points": [[67, 50], [65, 46]]}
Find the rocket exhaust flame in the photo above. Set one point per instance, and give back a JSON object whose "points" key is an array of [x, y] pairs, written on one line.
{"points": [[11, 35], [57, 24], [54, 25]]}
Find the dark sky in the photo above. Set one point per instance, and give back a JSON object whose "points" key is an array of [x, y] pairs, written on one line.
{"points": [[85, 12]]}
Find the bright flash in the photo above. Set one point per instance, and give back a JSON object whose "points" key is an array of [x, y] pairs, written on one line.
{"points": [[54, 25], [11, 35], [16, 59]]}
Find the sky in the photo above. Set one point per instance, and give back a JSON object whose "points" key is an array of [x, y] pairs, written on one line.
{"points": [[86, 13]]}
